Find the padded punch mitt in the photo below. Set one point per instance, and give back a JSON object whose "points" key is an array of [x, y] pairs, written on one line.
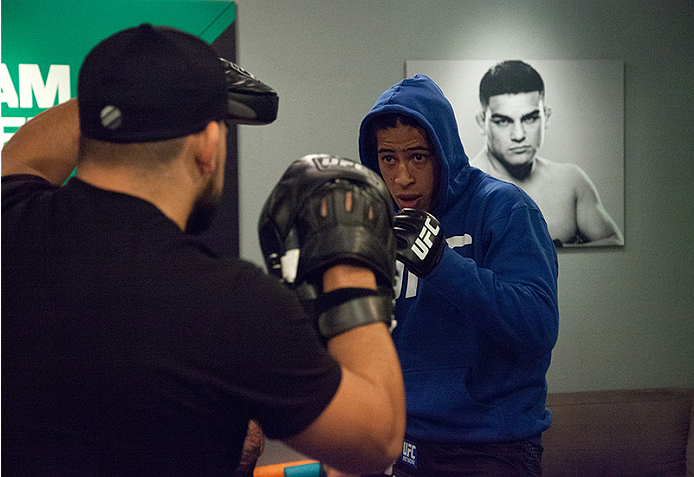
{"points": [[324, 210], [250, 101]]}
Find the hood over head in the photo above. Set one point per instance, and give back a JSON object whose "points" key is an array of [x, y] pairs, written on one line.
{"points": [[420, 98]]}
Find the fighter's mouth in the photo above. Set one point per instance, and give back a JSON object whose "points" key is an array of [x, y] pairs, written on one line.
{"points": [[408, 200], [520, 149]]}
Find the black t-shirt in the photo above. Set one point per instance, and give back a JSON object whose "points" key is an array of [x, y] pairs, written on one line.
{"points": [[129, 348]]}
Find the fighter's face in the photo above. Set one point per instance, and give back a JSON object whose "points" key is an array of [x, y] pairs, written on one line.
{"points": [[409, 166], [515, 127]]}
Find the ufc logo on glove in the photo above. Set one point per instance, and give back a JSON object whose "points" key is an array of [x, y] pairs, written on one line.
{"points": [[423, 243], [420, 240]]}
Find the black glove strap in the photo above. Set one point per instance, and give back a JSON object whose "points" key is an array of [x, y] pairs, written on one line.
{"points": [[338, 296], [355, 312]]}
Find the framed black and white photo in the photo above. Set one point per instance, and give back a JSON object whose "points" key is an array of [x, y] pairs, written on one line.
{"points": [[583, 136]]}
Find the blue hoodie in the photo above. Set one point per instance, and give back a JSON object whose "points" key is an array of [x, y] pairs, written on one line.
{"points": [[475, 336]]}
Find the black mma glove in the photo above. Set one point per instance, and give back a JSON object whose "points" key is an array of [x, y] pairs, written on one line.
{"points": [[420, 240], [249, 100], [327, 210]]}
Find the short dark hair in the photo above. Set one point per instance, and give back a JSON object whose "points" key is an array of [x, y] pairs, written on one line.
{"points": [[390, 120], [145, 155], [510, 77], [393, 120]]}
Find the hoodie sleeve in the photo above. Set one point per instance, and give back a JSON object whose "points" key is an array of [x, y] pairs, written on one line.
{"points": [[508, 289]]}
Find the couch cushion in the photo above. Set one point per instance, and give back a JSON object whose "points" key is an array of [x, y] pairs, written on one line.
{"points": [[618, 433]]}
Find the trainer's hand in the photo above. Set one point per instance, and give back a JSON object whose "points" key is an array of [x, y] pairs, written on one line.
{"points": [[253, 447], [420, 240], [249, 101], [327, 210]]}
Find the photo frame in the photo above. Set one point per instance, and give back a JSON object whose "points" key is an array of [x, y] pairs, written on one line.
{"points": [[586, 127]]}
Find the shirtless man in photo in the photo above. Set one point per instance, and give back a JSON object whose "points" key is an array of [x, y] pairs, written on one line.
{"points": [[514, 118]]}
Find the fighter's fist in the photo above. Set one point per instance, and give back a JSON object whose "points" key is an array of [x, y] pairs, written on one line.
{"points": [[420, 240]]}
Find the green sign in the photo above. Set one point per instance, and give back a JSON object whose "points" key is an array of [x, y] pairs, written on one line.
{"points": [[44, 43]]}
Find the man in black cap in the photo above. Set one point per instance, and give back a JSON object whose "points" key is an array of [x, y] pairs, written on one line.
{"points": [[128, 347]]}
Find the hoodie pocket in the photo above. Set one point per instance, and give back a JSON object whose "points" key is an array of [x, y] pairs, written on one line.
{"points": [[438, 400]]}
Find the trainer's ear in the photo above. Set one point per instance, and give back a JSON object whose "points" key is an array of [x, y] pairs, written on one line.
{"points": [[207, 146], [479, 118]]}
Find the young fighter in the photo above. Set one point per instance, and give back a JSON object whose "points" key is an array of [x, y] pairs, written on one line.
{"points": [[476, 304]]}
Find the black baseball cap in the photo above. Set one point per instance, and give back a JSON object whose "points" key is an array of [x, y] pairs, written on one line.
{"points": [[150, 83]]}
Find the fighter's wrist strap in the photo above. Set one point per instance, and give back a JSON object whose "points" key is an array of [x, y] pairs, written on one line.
{"points": [[352, 307]]}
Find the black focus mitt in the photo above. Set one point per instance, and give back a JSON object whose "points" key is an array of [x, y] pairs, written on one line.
{"points": [[324, 210], [327, 210], [250, 101]]}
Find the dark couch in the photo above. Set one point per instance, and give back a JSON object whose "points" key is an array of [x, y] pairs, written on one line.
{"points": [[629, 433], [634, 433]]}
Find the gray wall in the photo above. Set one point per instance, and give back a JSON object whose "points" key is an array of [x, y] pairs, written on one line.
{"points": [[627, 318]]}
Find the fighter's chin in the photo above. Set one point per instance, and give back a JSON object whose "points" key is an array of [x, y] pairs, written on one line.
{"points": [[520, 157]]}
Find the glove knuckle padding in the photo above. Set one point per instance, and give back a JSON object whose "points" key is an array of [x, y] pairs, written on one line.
{"points": [[330, 209]]}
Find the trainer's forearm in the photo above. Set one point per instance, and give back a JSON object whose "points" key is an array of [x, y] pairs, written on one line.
{"points": [[362, 429], [46, 145], [343, 276], [368, 358], [374, 424]]}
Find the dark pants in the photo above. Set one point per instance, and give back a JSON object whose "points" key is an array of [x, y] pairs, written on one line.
{"points": [[435, 459]]}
